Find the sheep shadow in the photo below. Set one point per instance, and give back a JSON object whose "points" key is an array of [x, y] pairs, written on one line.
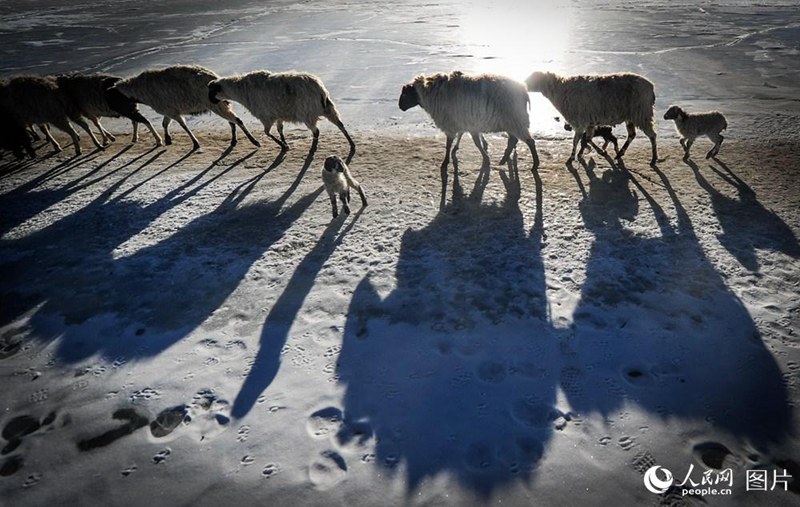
{"points": [[656, 326], [72, 283], [283, 313], [454, 371], [747, 225]]}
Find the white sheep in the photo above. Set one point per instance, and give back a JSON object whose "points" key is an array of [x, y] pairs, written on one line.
{"points": [[338, 181], [460, 103], [178, 90], [37, 100], [91, 95], [278, 97], [609, 99], [693, 125]]}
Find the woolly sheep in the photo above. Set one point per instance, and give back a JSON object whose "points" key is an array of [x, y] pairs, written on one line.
{"points": [[278, 97], [609, 99], [693, 125], [460, 103], [13, 135], [178, 90], [91, 95], [338, 181], [39, 100], [604, 131]]}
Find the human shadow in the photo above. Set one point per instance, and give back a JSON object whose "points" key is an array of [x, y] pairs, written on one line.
{"points": [[137, 300], [454, 371], [657, 327], [747, 225], [283, 313]]}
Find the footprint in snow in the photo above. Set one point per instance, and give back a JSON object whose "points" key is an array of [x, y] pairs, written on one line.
{"points": [[327, 470]]}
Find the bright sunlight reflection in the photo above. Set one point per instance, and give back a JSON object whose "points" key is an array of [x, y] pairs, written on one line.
{"points": [[515, 38]]}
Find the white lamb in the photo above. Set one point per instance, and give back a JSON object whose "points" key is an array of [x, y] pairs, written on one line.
{"points": [[278, 97], [338, 182], [460, 103], [609, 99], [693, 125]]}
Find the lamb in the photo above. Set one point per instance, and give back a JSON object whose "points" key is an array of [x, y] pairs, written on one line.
{"points": [[604, 131], [177, 90], [693, 125], [338, 181], [460, 103], [609, 99], [91, 95], [13, 135], [278, 97], [39, 100]]}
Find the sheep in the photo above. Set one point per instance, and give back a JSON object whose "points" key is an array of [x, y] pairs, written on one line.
{"points": [[91, 95], [177, 90], [604, 131], [278, 97], [14, 135], [39, 100], [609, 99], [692, 125], [338, 181], [460, 103]]}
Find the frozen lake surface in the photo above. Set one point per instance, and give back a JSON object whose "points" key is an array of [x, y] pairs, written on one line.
{"points": [[736, 56]]}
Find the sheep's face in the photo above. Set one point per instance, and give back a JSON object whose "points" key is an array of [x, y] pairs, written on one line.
{"points": [[214, 89], [408, 97], [334, 164], [673, 113], [536, 81]]}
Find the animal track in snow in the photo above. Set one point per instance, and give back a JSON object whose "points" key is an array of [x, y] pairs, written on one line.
{"points": [[626, 443], [161, 456], [270, 470], [32, 480], [128, 471], [168, 420], [324, 422], [243, 433], [327, 470]]}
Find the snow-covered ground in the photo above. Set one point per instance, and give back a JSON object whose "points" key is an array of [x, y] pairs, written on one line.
{"points": [[185, 328]]}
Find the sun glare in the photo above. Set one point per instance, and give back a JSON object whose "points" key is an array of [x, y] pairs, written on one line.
{"points": [[515, 38]]}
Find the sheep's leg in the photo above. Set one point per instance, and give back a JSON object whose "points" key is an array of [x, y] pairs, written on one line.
{"points": [[85, 126], [315, 141], [651, 134], [165, 124], [616, 146], [50, 139], [66, 127], [532, 146], [687, 147], [510, 146], [250, 136], [631, 134], [717, 139], [352, 183], [182, 123], [336, 121], [457, 143], [136, 118], [443, 169], [345, 198], [280, 132], [33, 133], [478, 139], [267, 129], [106, 135], [576, 138], [333, 204]]}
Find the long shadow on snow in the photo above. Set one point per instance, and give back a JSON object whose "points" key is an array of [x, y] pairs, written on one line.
{"points": [[454, 369], [657, 327], [65, 274], [746, 223]]}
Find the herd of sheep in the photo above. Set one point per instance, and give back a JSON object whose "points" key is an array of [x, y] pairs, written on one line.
{"points": [[458, 103]]}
